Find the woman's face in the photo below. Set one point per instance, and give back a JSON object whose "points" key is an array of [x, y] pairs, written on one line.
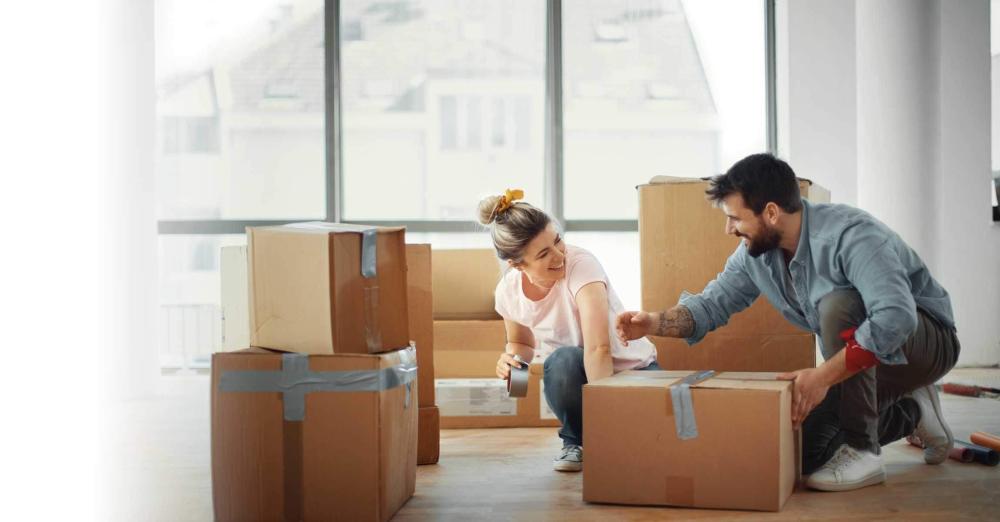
{"points": [[544, 259]]}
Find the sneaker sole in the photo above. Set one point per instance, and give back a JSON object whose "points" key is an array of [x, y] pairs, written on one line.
{"points": [[568, 466], [936, 404], [848, 486]]}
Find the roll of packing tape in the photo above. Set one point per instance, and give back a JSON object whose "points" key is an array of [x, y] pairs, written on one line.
{"points": [[517, 383]]}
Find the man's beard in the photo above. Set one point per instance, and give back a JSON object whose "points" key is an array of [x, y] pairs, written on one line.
{"points": [[768, 240]]}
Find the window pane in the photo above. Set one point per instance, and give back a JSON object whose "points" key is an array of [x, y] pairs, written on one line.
{"points": [[240, 100], [443, 103], [190, 316], [657, 88]]}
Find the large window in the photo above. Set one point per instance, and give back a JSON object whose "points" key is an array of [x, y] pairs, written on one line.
{"points": [[240, 110], [657, 88], [409, 111], [443, 100]]}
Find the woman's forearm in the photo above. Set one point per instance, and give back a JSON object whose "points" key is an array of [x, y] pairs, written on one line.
{"points": [[597, 362], [525, 352]]}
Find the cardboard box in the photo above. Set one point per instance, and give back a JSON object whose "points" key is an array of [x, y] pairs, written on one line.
{"points": [[308, 454], [466, 349], [464, 282], [743, 457], [421, 316], [684, 246], [483, 403], [235, 298], [429, 437], [308, 293]]}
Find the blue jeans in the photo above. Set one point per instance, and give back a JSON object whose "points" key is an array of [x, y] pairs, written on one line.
{"points": [[564, 378]]}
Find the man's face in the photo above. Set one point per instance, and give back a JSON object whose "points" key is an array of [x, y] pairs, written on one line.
{"points": [[757, 235]]}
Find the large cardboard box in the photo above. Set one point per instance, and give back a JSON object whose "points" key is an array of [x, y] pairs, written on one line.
{"points": [[325, 437], [743, 456], [468, 348], [684, 246], [235, 299], [322, 288], [429, 437], [464, 282], [483, 403], [421, 316]]}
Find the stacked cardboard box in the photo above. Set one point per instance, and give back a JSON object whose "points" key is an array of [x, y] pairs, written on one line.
{"points": [[683, 247], [236, 328], [729, 445], [469, 337], [421, 317], [318, 420]]}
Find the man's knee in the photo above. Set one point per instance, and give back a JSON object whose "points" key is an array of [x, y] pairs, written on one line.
{"points": [[838, 311]]}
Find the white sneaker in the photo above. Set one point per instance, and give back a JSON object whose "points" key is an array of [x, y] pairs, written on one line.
{"points": [[848, 469], [932, 433], [569, 459]]}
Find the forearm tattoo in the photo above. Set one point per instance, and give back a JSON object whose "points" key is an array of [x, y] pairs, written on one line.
{"points": [[676, 322]]}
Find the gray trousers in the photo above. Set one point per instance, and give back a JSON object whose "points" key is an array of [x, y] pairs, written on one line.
{"points": [[869, 409]]}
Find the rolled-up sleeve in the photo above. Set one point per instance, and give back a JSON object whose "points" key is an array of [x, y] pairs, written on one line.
{"points": [[875, 270], [730, 292]]}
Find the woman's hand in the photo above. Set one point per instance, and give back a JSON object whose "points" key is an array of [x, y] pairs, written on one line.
{"points": [[505, 363], [633, 325]]}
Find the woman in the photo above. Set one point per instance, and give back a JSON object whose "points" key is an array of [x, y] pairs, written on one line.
{"points": [[556, 299]]}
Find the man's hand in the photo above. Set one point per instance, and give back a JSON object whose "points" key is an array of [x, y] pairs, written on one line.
{"points": [[633, 325], [810, 389]]}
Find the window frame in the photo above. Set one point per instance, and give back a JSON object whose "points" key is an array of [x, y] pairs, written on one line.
{"points": [[553, 170]]}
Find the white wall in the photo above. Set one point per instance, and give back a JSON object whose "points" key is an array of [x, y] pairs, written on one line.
{"points": [[887, 104]]}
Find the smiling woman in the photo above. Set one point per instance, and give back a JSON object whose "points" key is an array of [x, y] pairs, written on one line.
{"points": [[557, 302]]}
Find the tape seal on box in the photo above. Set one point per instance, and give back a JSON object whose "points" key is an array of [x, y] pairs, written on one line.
{"points": [[680, 397], [295, 380]]}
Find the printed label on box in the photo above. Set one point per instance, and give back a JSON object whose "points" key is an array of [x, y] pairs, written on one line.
{"points": [[473, 398], [544, 412]]}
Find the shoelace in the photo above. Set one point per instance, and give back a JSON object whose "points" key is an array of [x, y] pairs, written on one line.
{"points": [[570, 450], [845, 457]]}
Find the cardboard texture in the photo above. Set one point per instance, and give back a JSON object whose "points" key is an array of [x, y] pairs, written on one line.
{"points": [[352, 457], [235, 298], [683, 246], [744, 456], [421, 316], [464, 282], [483, 403], [468, 348], [429, 437], [307, 293]]}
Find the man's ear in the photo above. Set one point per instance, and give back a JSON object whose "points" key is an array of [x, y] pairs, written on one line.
{"points": [[771, 213]]}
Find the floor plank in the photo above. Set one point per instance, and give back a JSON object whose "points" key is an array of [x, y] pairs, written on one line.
{"points": [[158, 459]]}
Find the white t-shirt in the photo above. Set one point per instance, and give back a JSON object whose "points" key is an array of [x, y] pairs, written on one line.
{"points": [[555, 319]]}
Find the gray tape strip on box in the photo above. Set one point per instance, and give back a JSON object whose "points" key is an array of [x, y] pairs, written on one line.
{"points": [[680, 397], [294, 381]]}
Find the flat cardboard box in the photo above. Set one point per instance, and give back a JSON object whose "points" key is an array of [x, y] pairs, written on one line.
{"points": [[464, 282], [683, 246], [429, 437], [466, 349], [352, 456], [308, 294], [235, 299], [483, 403], [743, 457], [421, 316]]}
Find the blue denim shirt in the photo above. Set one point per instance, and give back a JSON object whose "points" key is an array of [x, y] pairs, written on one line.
{"points": [[840, 247]]}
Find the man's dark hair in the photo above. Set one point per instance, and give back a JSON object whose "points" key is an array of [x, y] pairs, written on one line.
{"points": [[760, 179]]}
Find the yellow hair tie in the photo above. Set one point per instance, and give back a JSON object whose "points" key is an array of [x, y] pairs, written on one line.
{"points": [[507, 200]]}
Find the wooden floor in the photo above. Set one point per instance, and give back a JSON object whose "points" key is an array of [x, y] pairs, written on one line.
{"points": [[158, 455]]}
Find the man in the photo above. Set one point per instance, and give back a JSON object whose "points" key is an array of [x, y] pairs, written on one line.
{"points": [[885, 325]]}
